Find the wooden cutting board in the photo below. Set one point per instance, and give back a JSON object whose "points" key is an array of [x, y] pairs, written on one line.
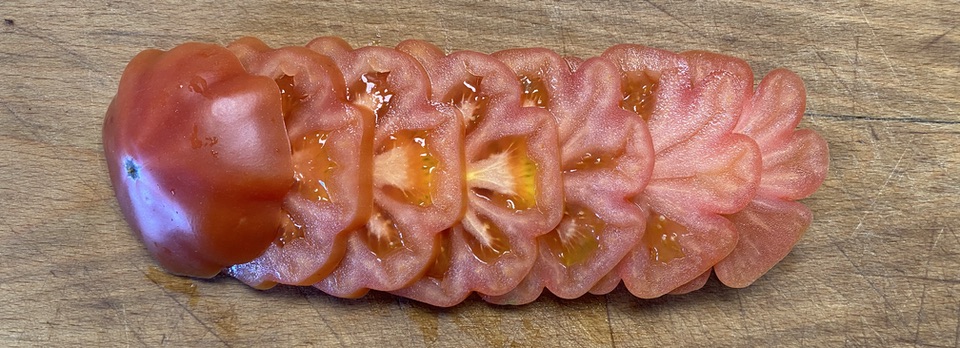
{"points": [[879, 267]]}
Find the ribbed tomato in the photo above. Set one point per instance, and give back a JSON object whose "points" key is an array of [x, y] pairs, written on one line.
{"points": [[433, 176], [331, 144], [702, 169], [198, 156], [795, 163], [418, 183], [512, 177], [606, 157]]}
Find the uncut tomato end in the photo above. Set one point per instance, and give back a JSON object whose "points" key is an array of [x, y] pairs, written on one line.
{"points": [[199, 172]]}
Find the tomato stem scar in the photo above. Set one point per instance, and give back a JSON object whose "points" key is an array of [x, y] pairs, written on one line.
{"points": [[133, 171]]}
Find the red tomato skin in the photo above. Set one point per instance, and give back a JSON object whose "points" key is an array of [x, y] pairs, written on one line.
{"points": [[198, 157]]}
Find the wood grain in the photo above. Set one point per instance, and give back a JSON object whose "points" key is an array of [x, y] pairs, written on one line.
{"points": [[879, 267]]}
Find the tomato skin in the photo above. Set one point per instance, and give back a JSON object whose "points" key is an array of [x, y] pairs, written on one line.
{"points": [[198, 157]]}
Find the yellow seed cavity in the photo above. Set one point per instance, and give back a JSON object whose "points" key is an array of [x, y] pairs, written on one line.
{"points": [[488, 242], [290, 99], [639, 92], [663, 237], [371, 92], [441, 264], [469, 101], [382, 236], [289, 231], [313, 168], [577, 237], [591, 161], [534, 91]]}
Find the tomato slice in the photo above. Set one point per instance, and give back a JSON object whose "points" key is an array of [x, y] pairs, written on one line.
{"points": [[693, 285], [607, 159], [702, 169], [418, 184], [198, 157], [768, 228], [512, 178], [795, 163], [331, 143]]}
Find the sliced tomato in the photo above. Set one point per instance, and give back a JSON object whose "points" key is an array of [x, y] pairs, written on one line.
{"points": [[607, 283], [332, 147], [702, 169], [795, 163], [434, 176], [607, 159], [512, 178], [694, 285], [198, 157], [418, 184], [768, 228]]}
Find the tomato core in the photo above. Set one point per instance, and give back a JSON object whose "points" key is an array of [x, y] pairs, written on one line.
{"points": [[506, 175], [405, 166]]}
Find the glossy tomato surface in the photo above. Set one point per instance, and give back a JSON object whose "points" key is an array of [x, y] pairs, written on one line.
{"points": [[199, 157]]}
